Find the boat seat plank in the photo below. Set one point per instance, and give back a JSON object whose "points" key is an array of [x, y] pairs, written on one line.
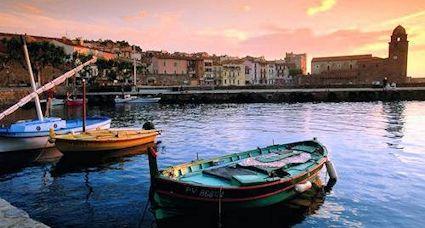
{"points": [[250, 179], [206, 180], [227, 172]]}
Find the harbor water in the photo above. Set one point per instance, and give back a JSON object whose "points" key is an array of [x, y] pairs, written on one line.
{"points": [[378, 150]]}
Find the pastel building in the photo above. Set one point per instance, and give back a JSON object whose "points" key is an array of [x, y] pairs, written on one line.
{"points": [[252, 68], [208, 77], [271, 73], [167, 64], [70, 48], [233, 73]]}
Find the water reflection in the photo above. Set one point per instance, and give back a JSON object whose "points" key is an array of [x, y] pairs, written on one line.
{"points": [[376, 147], [96, 162], [393, 112], [16, 161]]}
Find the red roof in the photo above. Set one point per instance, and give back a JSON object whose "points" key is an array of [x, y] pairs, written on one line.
{"points": [[342, 58]]}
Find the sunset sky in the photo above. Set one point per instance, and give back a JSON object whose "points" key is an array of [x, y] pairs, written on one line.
{"points": [[260, 28]]}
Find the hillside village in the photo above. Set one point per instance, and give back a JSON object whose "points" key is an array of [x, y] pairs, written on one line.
{"points": [[159, 68], [116, 60]]}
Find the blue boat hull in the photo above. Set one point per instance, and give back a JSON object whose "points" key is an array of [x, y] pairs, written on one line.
{"points": [[33, 135]]}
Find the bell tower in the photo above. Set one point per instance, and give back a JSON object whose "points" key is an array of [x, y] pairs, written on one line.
{"points": [[397, 56]]}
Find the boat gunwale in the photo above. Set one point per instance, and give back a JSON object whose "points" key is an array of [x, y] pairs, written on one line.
{"points": [[311, 173], [282, 180], [62, 138], [170, 169], [98, 120]]}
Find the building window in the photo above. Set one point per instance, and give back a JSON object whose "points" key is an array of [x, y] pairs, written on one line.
{"points": [[225, 81], [398, 38], [238, 82], [329, 68], [164, 63], [351, 66]]}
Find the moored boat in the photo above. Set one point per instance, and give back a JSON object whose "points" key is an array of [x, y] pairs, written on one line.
{"points": [[145, 100], [34, 134], [127, 98], [251, 179], [74, 102], [103, 140], [57, 102]]}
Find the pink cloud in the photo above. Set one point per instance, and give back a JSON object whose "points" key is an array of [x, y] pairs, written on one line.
{"points": [[304, 40], [27, 8], [140, 15]]}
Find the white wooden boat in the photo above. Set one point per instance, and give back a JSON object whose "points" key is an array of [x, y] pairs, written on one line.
{"points": [[34, 134], [145, 100], [57, 102], [127, 98]]}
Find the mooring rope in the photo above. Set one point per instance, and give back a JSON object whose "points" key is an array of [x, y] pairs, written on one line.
{"points": [[145, 209], [219, 207]]}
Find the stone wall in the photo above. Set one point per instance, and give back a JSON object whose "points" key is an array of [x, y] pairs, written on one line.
{"points": [[295, 96], [11, 216], [11, 96], [14, 73]]}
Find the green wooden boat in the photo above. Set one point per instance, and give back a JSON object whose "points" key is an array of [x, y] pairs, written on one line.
{"points": [[251, 179]]}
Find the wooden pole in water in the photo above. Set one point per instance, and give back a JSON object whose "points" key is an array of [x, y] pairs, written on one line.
{"points": [[84, 105]]}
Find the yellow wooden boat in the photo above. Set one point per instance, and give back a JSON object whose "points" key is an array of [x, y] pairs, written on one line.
{"points": [[103, 140]]}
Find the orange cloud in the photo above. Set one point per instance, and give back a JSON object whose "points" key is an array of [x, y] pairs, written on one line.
{"points": [[246, 8], [232, 34], [324, 6], [140, 15], [27, 8]]}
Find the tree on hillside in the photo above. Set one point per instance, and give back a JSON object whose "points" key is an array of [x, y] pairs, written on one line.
{"points": [[295, 72], [115, 69], [41, 55], [78, 59]]}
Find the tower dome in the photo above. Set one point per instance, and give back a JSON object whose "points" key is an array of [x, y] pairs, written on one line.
{"points": [[399, 30]]}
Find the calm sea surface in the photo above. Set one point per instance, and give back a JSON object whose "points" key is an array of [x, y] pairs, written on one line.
{"points": [[378, 150]]}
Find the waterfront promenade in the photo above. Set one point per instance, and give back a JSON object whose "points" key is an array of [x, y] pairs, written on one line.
{"points": [[272, 95]]}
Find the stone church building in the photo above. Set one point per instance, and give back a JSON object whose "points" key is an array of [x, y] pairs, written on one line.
{"points": [[364, 69]]}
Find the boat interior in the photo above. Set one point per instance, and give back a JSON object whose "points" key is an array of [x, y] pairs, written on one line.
{"points": [[249, 168]]}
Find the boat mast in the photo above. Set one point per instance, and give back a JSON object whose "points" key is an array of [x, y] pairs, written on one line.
{"points": [[84, 105], [34, 88], [134, 68]]}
